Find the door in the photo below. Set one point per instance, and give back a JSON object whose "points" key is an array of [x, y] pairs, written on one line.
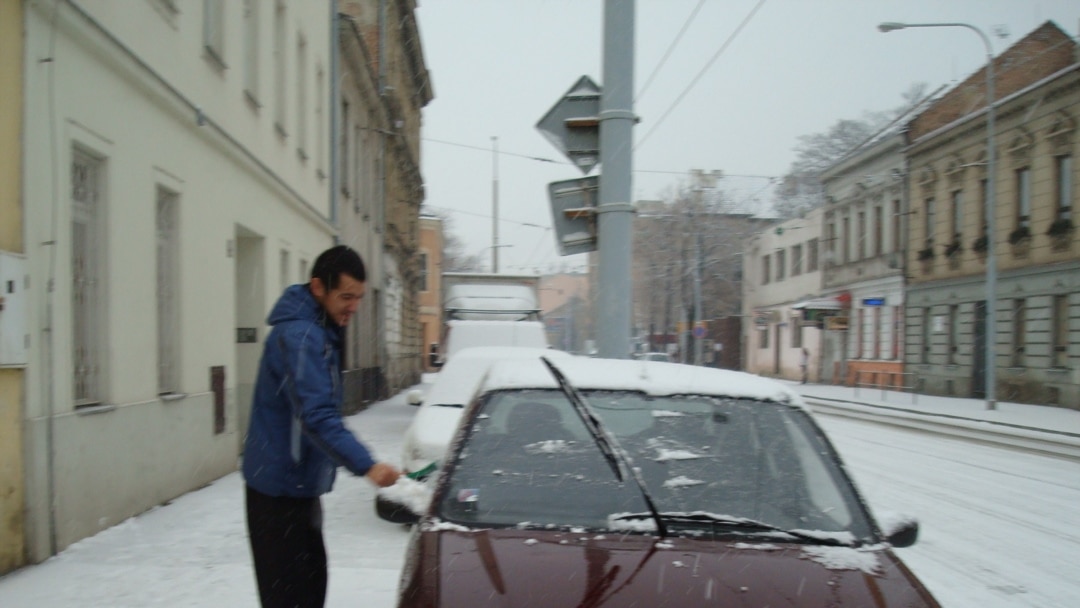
{"points": [[250, 289]]}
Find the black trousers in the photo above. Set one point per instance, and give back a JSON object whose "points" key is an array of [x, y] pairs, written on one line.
{"points": [[287, 550]]}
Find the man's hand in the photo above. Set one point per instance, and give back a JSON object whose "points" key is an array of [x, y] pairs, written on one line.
{"points": [[382, 474]]}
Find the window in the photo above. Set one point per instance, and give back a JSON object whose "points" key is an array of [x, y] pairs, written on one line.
{"points": [[984, 194], [1019, 332], [168, 289], [879, 231], [956, 218], [860, 250], [860, 333], [796, 260], [928, 225], [344, 160], [812, 255], [423, 272], [303, 272], [924, 355], [320, 127], [283, 270], [1060, 333], [845, 241], [898, 331], [301, 98], [214, 30], [897, 227], [251, 50], [766, 269], [953, 333], [279, 68], [876, 327], [1063, 185], [796, 331], [781, 263], [88, 290], [1023, 198], [831, 238], [763, 337]]}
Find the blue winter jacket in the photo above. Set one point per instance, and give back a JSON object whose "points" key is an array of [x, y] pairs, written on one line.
{"points": [[297, 436]]}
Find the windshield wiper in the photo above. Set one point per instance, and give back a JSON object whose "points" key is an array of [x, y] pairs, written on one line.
{"points": [[609, 446], [735, 523]]}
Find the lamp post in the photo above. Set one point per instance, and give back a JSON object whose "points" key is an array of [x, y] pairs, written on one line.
{"points": [[991, 261]]}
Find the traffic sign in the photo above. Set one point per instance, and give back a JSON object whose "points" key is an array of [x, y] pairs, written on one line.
{"points": [[572, 125], [699, 331], [573, 209]]}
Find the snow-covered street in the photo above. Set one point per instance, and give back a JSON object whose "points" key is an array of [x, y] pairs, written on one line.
{"points": [[998, 530]]}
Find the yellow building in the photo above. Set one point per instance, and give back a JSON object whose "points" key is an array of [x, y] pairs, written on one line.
{"points": [[12, 484]]}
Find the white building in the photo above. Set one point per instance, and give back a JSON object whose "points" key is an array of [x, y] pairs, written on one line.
{"points": [[176, 167], [781, 281]]}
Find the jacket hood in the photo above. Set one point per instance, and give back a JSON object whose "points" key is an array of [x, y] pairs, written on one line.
{"points": [[296, 304]]}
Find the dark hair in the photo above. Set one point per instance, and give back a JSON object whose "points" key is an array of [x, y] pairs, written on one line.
{"points": [[334, 262]]}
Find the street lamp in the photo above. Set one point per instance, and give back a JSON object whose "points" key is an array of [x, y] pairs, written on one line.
{"points": [[991, 261]]}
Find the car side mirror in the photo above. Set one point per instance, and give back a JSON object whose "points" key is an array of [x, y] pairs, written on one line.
{"points": [[414, 397], [900, 530]]}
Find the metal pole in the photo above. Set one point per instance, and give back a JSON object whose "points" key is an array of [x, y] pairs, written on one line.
{"points": [[991, 187], [615, 211], [495, 205]]}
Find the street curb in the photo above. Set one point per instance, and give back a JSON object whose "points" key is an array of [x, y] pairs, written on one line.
{"points": [[1042, 441]]}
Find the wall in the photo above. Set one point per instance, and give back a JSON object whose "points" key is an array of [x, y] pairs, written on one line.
{"points": [[133, 86], [12, 481]]}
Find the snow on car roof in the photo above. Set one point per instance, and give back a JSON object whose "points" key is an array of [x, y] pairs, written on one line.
{"points": [[651, 377], [457, 381]]}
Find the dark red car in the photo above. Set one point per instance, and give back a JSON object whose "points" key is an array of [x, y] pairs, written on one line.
{"points": [[648, 484]]}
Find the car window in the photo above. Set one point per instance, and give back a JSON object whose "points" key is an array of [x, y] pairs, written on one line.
{"points": [[528, 459]]}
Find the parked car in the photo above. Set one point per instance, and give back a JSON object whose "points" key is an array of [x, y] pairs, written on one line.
{"points": [[649, 484], [429, 434]]}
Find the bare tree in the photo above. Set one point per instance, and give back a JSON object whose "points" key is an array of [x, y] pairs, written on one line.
{"points": [[800, 188], [454, 258]]}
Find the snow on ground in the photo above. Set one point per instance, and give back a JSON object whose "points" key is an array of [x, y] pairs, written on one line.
{"points": [[998, 526]]}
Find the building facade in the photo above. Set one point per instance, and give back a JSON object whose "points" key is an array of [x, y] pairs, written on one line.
{"points": [[430, 288], [864, 242], [177, 172], [385, 87], [1036, 337], [13, 326], [782, 280]]}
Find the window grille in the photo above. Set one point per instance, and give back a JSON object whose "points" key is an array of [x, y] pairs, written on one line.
{"points": [[168, 329], [87, 285]]}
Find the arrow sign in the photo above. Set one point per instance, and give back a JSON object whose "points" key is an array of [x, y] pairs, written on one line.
{"points": [[572, 125]]}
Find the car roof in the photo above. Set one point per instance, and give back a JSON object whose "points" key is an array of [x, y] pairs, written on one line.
{"points": [[650, 377], [458, 380]]}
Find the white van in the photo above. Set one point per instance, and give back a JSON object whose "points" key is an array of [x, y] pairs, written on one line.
{"points": [[466, 334]]}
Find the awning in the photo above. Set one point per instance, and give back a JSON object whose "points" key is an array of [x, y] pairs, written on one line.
{"points": [[818, 304]]}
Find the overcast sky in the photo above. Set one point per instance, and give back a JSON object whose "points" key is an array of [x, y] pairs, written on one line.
{"points": [[794, 68]]}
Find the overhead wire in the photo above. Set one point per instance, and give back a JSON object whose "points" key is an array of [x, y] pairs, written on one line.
{"points": [[667, 54], [701, 73]]}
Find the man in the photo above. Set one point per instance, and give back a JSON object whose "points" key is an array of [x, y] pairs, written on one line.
{"points": [[297, 437]]}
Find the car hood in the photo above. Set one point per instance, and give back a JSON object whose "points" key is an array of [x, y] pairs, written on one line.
{"points": [[509, 567]]}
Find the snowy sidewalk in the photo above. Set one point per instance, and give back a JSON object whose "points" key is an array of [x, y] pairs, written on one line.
{"points": [[1041, 428]]}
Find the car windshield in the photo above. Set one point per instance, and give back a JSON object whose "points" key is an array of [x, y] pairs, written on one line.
{"points": [[527, 460]]}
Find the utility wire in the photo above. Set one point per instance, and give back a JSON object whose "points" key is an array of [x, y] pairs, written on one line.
{"points": [[671, 48], [708, 65]]}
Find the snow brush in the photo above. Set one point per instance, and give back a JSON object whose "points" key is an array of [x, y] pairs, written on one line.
{"points": [[424, 472]]}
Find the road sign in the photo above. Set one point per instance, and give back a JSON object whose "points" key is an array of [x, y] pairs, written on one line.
{"points": [[699, 331], [573, 209], [573, 124]]}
